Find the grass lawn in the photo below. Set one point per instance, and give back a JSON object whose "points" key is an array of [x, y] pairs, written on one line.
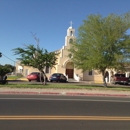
{"points": [[67, 86]]}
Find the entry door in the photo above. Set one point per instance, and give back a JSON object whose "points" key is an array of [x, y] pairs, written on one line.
{"points": [[69, 72]]}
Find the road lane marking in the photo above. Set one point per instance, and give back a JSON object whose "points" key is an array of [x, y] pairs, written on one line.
{"points": [[116, 118]]}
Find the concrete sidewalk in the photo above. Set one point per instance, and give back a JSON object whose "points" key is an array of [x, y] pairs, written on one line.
{"points": [[70, 92]]}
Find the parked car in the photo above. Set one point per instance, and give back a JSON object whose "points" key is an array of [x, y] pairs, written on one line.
{"points": [[119, 79], [58, 77], [35, 76]]}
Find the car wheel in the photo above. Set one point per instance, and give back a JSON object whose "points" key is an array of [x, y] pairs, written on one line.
{"points": [[29, 80], [115, 83]]}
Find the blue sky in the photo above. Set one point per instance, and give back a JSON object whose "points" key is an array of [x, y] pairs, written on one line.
{"points": [[48, 19]]}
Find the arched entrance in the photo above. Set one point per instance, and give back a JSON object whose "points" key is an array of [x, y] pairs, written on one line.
{"points": [[70, 69]]}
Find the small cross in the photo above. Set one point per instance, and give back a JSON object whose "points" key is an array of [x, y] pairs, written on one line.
{"points": [[71, 24]]}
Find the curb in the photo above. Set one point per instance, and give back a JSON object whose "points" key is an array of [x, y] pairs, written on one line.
{"points": [[64, 94], [97, 94]]}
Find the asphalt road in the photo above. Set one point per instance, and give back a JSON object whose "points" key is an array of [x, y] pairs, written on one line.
{"points": [[40, 112]]}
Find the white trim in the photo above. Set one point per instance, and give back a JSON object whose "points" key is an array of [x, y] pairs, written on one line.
{"points": [[65, 63]]}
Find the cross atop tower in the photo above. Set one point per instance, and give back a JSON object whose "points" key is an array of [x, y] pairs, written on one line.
{"points": [[71, 23]]}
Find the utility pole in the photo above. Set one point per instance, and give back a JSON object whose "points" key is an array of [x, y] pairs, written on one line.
{"points": [[0, 54]]}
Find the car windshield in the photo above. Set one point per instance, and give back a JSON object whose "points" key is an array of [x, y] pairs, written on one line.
{"points": [[120, 75], [34, 73], [56, 74]]}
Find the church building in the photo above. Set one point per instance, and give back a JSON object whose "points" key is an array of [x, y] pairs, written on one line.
{"points": [[65, 64]]}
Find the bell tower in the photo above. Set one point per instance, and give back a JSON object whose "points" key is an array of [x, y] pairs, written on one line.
{"points": [[70, 35]]}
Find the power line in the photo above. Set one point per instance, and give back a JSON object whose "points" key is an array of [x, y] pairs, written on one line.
{"points": [[7, 57], [11, 59]]}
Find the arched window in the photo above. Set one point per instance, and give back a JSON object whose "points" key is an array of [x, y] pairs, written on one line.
{"points": [[71, 33], [70, 56], [71, 40]]}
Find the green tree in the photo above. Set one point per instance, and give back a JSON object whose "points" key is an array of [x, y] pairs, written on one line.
{"points": [[102, 43], [11, 67], [4, 70], [36, 57]]}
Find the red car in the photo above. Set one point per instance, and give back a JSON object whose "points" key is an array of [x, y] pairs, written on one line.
{"points": [[35, 76]]}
